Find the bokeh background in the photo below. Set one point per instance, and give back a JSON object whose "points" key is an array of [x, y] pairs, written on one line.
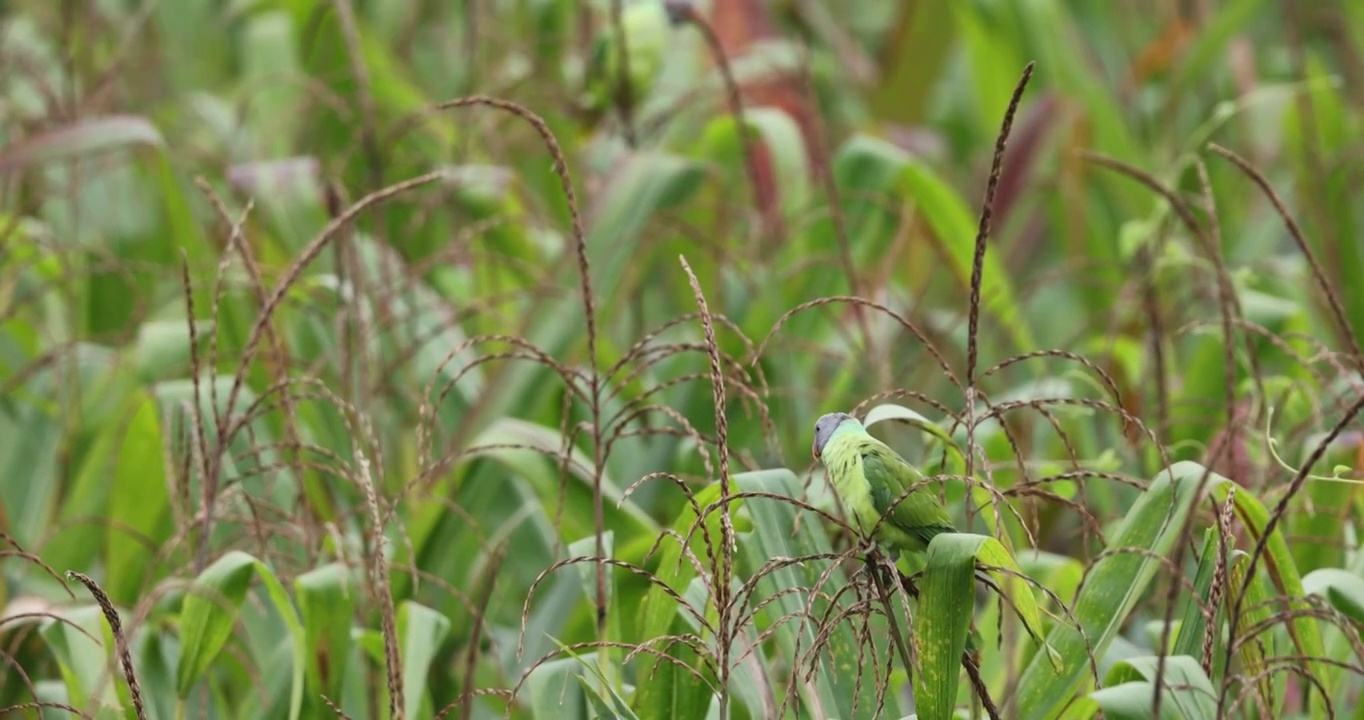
{"points": [[397, 358]]}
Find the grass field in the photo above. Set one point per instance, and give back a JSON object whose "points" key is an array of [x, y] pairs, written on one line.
{"points": [[413, 359]]}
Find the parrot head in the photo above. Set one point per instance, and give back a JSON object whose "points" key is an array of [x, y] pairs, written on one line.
{"points": [[825, 427]]}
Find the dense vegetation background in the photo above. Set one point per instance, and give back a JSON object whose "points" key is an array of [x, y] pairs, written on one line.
{"points": [[323, 394]]}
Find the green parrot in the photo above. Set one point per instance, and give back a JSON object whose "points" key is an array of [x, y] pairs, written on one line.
{"points": [[868, 476]]}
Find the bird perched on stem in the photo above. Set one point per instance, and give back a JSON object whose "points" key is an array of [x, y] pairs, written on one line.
{"points": [[869, 478]]}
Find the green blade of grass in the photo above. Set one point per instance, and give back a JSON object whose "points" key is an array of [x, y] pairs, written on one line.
{"points": [[81, 643], [209, 612], [839, 689], [1111, 590], [869, 165], [673, 689], [297, 636], [326, 603], [940, 627], [139, 502], [1282, 574], [1188, 691], [421, 631]]}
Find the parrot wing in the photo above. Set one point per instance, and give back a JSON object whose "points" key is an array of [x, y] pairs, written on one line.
{"points": [[919, 514]]}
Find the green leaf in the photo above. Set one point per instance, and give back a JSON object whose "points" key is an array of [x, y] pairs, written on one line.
{"points": [[1343, 589], [139, 502], [162, 351], [1282, 573], [297, 637], [644, 185], [1187, 690], [553, 691], [940, 627], [86, 137], [83, 647], [990, 45], [327, 605], [271, 71], [599, 691], [421, 631], [892, 411], [1112, 588], [954, 227], [1131, 701], [780, 135], [209, 612], [1193, 624], [836, 689], [508, 440], [1255, 656], [674, 690]]}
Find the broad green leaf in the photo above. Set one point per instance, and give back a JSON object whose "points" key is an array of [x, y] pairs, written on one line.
{"points": [[1254, 656], [271, 72], [83, 647], [587, 574], [644, 185], [1343, 589], [1321, 514], [190, 29], [837, 687], [1112, 588], [505, 439], [421, 631], [29, 484], [892, 411], [327, 605], [1227, 21], [156, 671], [209, 613], [1132, 701], [955, 228], [162, 350], [598, 690], [608, 705], [139, 503], [553, 693], [782, 138], [943, 619], [1193, 623], [1281, 573], [941, 625], [297, 637], [952, 223], [1060, 574], [674, 689], [991, 49], [1187, 689]]}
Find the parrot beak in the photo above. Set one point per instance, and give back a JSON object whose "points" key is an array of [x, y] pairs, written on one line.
{"points": [[814, 449]]}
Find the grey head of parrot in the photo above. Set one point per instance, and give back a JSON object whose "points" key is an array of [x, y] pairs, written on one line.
{"points": [[825, 427]]}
